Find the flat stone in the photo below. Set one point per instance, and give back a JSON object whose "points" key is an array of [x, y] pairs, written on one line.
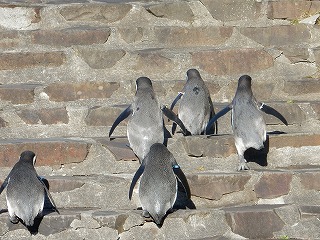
{"points": [[44, 116], [3, 123], [232, 61], [272, 185], [49, 151], [96, 12], [9, 39], [20, 60], [65, 183], [104, 116], [316, 108], [316, 52], [61, 92], [217, 146], [295, 54], [174, 11], [292, 10], [71, 36], [214, 186], [188, 37], [18, 93], [286, 34], [309, 211], [294, 140], [301, 87], [310, 180], [119, 148], [233, 10], [132, 34], [151, 62], [16, 17], [100, 59], [111, 219], [254, 222]]}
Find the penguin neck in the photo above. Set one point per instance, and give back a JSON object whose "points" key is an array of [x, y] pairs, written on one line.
{"points": [[244, 91]]}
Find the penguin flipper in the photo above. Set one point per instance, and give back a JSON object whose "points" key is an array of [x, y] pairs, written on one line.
{"points": [[120, 118], [182, 178], [176, 100], [135, 179], [271, 111], [217, 116], [172, 116], [49, 195], [4, 184]]}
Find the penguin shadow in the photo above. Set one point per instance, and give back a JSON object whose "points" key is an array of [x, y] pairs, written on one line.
{"points": [[182, 201], [260, 157]]}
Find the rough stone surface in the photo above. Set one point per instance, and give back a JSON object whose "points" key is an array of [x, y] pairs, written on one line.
{"points": [[214, 186], [44, 116], [272, 185], [98, 13], [286, 34], [48, 151], [187, 37], [9, 39], [100, 59], [231, 61], [175, 11], [305, 86], [254, 222], [292, 10], [310, 180], [14, 17], [71, 36], [232, 10], [18, 60], [18, 94], [60, 92], [103, 116]]}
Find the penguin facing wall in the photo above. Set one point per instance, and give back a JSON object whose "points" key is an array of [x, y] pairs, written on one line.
{"points": [[145, 125], [248, 125], [25, 191], [158, 185], [195, 107]]}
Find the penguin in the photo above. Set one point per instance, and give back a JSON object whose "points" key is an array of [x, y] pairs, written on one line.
{"points": [[145, 125], [158, 185], [195, 108], [248, 125], [25, 191]]}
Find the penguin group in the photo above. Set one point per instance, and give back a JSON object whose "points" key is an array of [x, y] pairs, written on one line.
{"points": [[159, 171], [159, 174]]}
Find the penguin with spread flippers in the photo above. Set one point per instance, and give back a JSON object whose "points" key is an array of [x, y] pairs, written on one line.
{"points": [[158, 185], [145, 125], [25, 191], [195, 107], [248, 125]]}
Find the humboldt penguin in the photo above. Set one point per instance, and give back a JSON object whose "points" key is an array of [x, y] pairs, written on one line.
{"points": [[145, 125], [158, 185], [25, 191], [195, 108], [248, 125]]}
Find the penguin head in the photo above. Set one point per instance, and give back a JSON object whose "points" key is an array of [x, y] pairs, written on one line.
{"points": [[143, 82], [244, 82], [28, 156], [193, 73]]}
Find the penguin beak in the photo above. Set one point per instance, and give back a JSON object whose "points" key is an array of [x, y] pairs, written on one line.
{"points": [[34, 160]]}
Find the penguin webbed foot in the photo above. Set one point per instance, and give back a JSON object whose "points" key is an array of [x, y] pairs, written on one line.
{"points": [[243, 165], [14, 219], [146, 214]]}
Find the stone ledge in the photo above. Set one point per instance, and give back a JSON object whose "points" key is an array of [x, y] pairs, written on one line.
{"points": [[51, 151]]}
